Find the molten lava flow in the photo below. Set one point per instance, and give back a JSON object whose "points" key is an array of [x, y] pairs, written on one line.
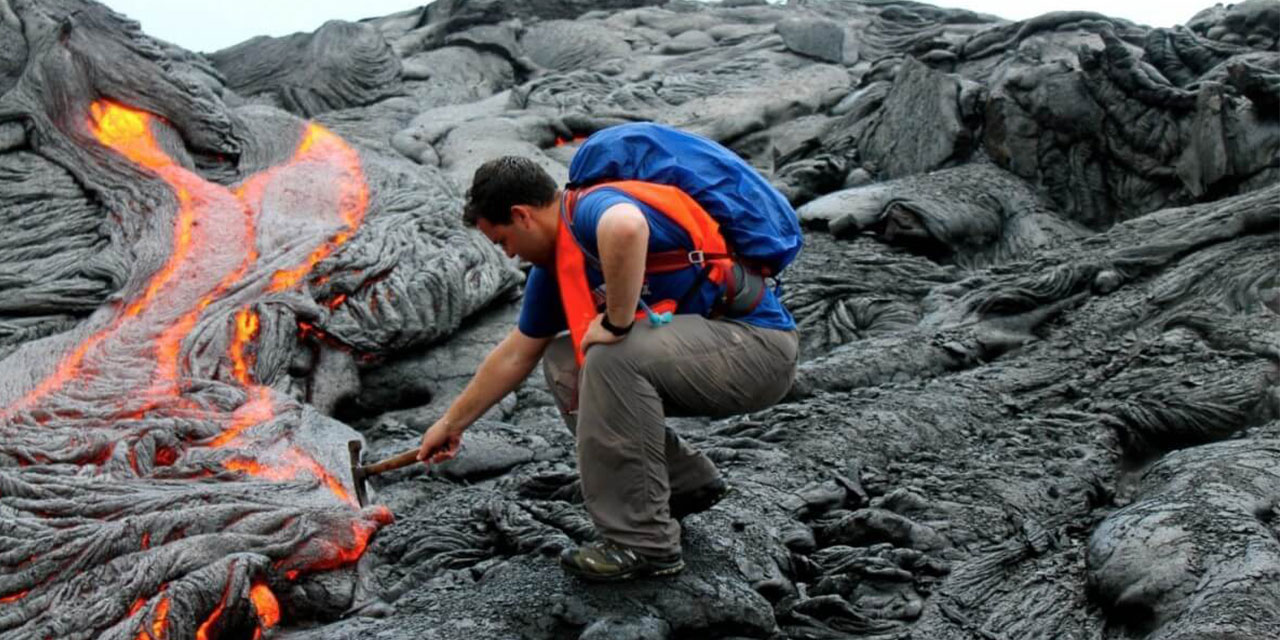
{"points": [[264, 602], [15, 597], [257, 410], [202, 633], [294, 462], [158, 627], [360, 534], [246, 331], [208, 223], [299, 461], [181, 251], [128, 131], [212, 266], [353, 200], [252, 467], [159, 624], [165, 456]]}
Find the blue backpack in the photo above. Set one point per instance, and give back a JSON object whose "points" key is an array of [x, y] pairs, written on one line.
{"points": [[757, 222]]}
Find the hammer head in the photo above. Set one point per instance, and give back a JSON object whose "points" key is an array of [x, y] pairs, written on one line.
{"points": [[357, 472]]}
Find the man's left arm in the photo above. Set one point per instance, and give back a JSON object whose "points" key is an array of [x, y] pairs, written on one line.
{"points": [[622, 240]]}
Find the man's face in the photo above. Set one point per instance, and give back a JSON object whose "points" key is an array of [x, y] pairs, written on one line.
{"points": [[521, 238]]}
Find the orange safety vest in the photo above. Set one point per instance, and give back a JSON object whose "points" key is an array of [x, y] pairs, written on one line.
{"points": [[709, 251]]}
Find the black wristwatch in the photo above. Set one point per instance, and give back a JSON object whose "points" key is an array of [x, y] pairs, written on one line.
{"points": [[615, 330]]}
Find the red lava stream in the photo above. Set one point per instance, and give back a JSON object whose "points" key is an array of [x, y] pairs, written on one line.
{"points": [[213, 252]]}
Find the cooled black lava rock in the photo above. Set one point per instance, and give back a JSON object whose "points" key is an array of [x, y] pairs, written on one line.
{"points": [[1038, 309]]}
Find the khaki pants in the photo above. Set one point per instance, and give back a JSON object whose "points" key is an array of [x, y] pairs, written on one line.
{"points": [[629, 460]]}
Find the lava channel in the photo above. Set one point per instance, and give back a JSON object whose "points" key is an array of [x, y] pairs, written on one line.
{"points": [[187, 492]]}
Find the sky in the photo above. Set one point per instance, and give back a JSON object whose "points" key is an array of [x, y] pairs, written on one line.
{"points": [[209, 26]]}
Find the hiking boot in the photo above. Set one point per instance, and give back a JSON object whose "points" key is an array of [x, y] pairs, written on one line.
{"points": [[610, 562], [698, 500]]}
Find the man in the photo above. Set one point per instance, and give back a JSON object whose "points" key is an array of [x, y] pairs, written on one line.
{"points": [[615, 386]]}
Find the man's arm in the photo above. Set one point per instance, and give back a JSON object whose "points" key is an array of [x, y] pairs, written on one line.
{"points": [[622, 238], [501, 372]]}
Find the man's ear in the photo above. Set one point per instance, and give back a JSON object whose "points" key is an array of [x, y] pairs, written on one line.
{"points": [[521, 215]]}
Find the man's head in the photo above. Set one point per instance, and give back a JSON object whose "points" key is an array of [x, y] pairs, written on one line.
{"points": [[512, 201]]}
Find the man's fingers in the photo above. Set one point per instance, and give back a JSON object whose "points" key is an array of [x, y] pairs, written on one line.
{"points": [[432, 453], [426, 451], [450, 450]]}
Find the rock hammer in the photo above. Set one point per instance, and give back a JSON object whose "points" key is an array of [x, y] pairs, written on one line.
{"points": [[360, 472]]}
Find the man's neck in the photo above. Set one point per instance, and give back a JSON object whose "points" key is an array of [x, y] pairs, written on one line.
{"points": [[548, 217]]}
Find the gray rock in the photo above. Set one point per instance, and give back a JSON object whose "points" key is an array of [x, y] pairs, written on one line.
{"points": [[564, 45], [688, 42], [627, 629], [1159, 557], [483, 455], [1036, 308], [920, 127], [815, 37], [341, 65]]}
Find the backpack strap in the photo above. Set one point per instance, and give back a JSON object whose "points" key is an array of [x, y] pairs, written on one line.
{"points": [[656, 262], [567, 204], [668, 261], [720, 265]]}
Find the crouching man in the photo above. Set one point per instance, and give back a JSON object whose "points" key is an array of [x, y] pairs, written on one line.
{"points": [[661, 321]]}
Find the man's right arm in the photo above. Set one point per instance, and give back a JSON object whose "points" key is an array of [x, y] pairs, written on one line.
{"points": [[501, 372]]}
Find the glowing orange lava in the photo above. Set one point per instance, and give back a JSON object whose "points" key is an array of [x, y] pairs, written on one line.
{"points": [[181, 251], [264, 602], [158, 627], [360, 531], [353, 200], [256, 411], [202, 633], [15, 597], [68, 369], [335, 486], [246, 331], [128, 131], [293, 463], [212, 251], [159, 624], [165, 456]]}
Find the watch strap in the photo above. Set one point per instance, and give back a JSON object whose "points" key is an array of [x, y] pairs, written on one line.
{"points": [[614, 329]]}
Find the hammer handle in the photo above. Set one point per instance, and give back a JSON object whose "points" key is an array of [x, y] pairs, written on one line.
{"points": [[395, 462]]}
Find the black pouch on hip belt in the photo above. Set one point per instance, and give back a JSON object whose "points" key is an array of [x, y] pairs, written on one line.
{"points": [[743, 291]]}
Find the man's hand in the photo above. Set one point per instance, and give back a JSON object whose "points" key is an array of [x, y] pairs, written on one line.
{"points": [[440, 443], [597, 334]]}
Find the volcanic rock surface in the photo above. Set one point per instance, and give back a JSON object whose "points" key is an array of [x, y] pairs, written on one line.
{"points": [[1039, 307]]}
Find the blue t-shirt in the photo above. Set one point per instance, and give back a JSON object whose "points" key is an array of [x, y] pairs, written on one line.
{"points": [[542, 315]]}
